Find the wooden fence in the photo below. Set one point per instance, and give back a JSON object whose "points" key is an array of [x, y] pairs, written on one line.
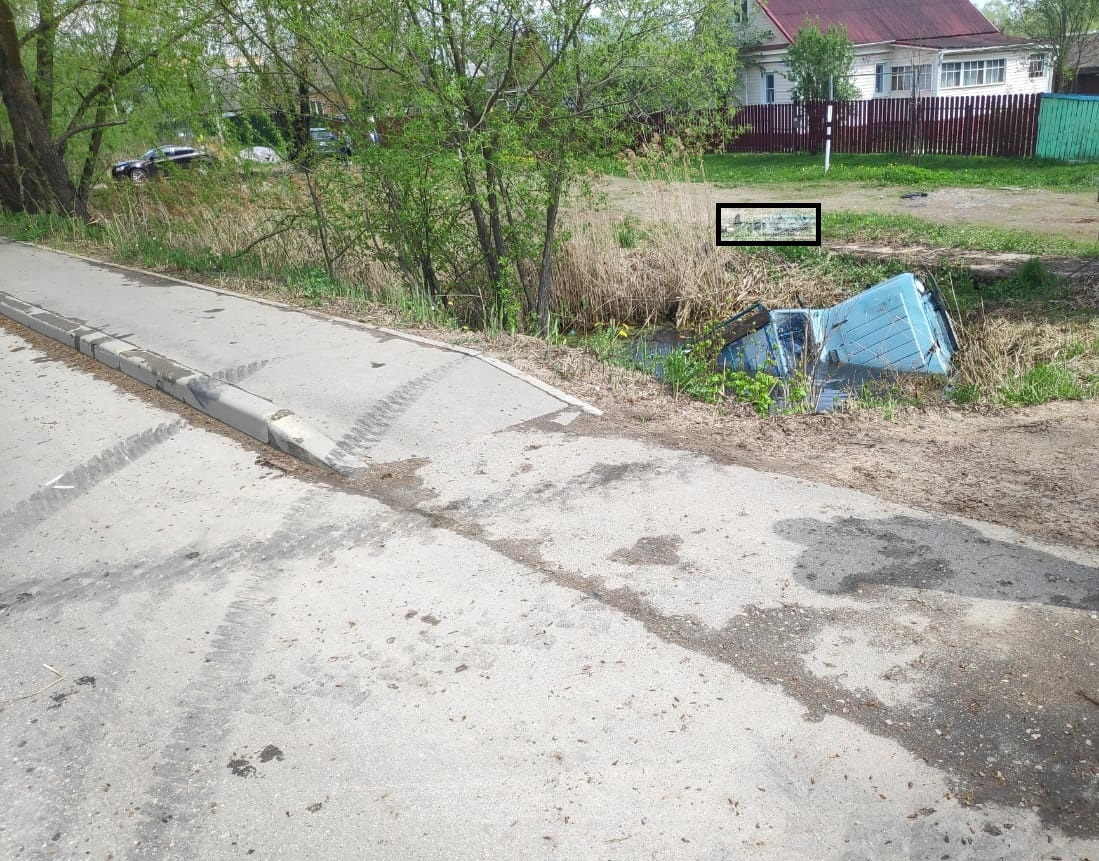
{"points": [[1068, 128], [945, 125]]}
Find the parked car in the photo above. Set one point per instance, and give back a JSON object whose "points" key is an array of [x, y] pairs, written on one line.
{"points": [[325, 142], [158, 159], [260, 155]]}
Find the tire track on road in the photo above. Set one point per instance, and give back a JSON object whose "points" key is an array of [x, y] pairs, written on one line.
{"points": [[72, 485], [210, 700]]}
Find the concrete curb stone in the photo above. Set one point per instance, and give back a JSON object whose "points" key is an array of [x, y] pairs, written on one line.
{"points": [[249, 413], [552, 391]]}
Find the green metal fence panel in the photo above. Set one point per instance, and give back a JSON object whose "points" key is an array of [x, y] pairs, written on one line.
{"points": [[1068, 128]]}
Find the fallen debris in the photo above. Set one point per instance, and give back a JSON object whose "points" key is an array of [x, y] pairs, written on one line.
{"points": [[900, 326]]}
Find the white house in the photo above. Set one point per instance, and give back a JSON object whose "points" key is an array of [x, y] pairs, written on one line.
{"points": [[902, 47]]}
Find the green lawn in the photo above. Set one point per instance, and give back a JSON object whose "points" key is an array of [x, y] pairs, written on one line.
{"points": [[904, 230], [932, 171]]}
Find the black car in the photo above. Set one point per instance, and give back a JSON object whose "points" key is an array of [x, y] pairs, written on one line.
{"points": [[158, 159]]}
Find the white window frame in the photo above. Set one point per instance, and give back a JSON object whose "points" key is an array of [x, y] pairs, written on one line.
{"points": [[901, 78], [881, 79], [1036, 67], [767, 88], [972, 73]]}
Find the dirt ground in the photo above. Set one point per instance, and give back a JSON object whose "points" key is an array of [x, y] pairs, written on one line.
{"points": [[1072, 214], [1031, 469]]}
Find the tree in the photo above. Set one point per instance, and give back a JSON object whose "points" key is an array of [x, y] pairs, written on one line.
{"points": [[1002, 14], [281, 68], [815, 57], [1056, 25], [87, 56], [494, 105], [33, 176]]}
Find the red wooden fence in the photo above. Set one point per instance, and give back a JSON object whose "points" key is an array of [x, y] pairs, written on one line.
{"points": [[945, 125]]}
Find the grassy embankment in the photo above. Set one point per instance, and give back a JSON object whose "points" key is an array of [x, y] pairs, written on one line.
{"points": [[1025, 340]]}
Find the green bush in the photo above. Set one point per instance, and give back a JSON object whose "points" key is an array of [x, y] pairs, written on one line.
{"points": [[692, 373]]}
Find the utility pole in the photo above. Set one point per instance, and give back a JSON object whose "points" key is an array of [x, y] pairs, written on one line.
{"points": [[828, 128]]}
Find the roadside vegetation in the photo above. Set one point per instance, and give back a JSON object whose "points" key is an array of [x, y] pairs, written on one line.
{"points": [[906, 230], [1025, 340]]}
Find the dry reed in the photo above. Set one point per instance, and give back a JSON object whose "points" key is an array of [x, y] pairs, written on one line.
{"points": [[996, 348]]}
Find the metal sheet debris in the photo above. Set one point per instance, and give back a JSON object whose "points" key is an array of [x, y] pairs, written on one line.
{"points": [[900, 326]]}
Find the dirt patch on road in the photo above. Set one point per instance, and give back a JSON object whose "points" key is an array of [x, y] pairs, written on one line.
{"points": [[1071, 214], [1029, 469]]}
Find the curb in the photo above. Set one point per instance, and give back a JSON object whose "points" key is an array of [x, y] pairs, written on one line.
{"points": [[251, 414], [510, 370]]}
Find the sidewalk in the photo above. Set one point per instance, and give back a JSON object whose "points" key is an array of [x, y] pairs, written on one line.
{"points": [[304, 382]]}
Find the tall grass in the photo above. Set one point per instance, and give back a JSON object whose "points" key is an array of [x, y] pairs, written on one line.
{"points": [[225, 224], [1012, 359], [259, 233]]}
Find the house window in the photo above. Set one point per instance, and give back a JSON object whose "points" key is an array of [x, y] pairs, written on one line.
{"points": [[903, 77], [973, 73], [881, 77], [316, 107], [1037, 67], [768, 88]]}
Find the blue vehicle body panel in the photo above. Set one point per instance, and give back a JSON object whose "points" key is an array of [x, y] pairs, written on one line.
{"points": [[900, 325], [779, 348]]}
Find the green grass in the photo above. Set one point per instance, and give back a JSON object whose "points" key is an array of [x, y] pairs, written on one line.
{"points": [[34, 228], [933, 171], [909, 230], [1032, 290], [1047, 382]]}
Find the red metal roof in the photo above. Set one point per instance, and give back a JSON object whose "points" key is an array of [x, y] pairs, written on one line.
{"points": [[974, 40], [869, 21]]}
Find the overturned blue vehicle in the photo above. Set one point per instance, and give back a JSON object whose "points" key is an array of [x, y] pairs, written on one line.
{"points": [[900, 326]]}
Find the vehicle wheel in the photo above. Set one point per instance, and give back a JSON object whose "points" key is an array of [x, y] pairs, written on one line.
{"points": [[139, 174]]}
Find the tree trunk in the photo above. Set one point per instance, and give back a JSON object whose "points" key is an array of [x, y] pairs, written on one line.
{"points": [[545, 276], [33, 177], [43, 62], [302, 120], [87, 175]]}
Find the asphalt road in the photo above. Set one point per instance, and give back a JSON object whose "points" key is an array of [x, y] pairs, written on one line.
{"points": [[542, 642]]}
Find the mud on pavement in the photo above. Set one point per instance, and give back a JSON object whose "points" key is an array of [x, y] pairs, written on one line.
{"points": [[972, 650], [995, 696]]}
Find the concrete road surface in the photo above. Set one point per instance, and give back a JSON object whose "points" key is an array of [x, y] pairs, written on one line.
{"points": [[539, 640]]}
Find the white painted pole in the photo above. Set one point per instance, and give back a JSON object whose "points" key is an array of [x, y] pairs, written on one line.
{"points": [[828, 138]]}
